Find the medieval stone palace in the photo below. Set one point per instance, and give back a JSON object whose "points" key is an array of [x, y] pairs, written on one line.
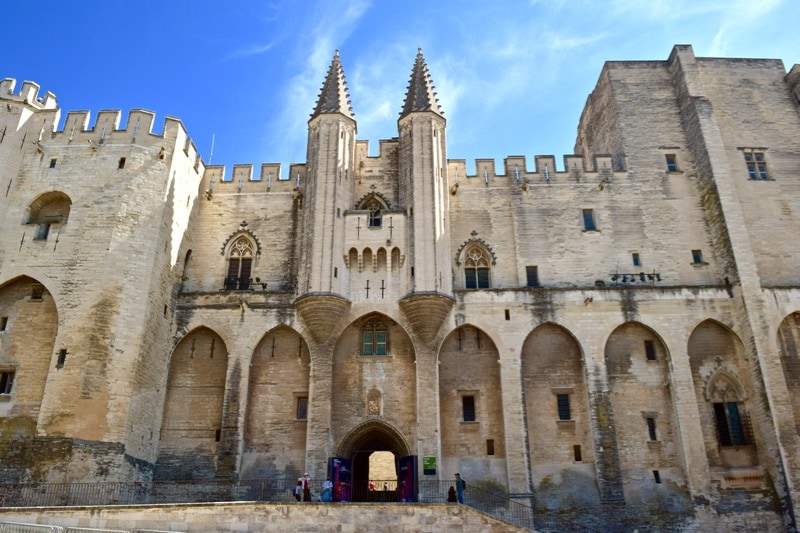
{"points": [[614, 333]]}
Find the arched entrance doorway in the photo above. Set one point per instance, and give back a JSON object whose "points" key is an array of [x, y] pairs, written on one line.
{"points": [[377, 440]]}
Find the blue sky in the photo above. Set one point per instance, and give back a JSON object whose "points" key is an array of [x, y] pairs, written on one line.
{"points": [[512, 76]]}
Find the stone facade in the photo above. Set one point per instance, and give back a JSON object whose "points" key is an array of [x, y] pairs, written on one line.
{"points": [[617, 339]]}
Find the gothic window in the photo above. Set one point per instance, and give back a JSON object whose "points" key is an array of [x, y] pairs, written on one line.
{"points": [[49, 209], [733, 424], [476, 269], [374, 338], [240, 262]]}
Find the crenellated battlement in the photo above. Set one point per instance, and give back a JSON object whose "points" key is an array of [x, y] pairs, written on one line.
{"points": [[107, 129], [244, 178], [576, 169], [28, 94]]}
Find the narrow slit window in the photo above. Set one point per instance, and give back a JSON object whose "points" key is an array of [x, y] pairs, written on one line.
{"points": [[489, 446], [532, 273], [3, 323], [637, 261], [651, 428], [576, 452], [121, 164], [302, 408], [656, 476], [697, 257], [6, 381], [588, 220], [650, 350]]}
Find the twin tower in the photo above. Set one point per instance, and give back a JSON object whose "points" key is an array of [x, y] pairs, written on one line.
{"points": [[375, 229]]}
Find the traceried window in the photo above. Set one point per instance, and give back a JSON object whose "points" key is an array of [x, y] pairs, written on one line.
{"points": [[756, 165], [374, 338], [240, 262], [476, 269]]}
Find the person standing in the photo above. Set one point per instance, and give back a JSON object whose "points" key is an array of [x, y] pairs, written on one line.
{"points": [[327, 490], [298, 491], [460, 486], [306, 482]]}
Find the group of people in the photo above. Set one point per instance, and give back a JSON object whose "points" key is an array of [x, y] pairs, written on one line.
{"points": [[302, 491]]}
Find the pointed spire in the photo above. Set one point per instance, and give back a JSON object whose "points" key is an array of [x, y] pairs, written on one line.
{"points": [[334, 98], [420, 95]]}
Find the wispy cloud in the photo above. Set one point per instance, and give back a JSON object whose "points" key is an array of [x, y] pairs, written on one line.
{"points": [[251, 51], [733, 23]]}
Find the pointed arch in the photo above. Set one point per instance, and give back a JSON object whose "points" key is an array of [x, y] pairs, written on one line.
{"points": [[277, 405], [240, 254], [471, 405], [789, 350], [374, 354], [192, 421], [376, 203], [476, 259], [557, 414]]}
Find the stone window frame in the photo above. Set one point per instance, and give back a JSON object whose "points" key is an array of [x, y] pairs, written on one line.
{"points": [[301, 401], [7, 374], [569, 393], [462, 395], [372, 328], [589, 218], [477, 268], [241, 254], [755, 160]]}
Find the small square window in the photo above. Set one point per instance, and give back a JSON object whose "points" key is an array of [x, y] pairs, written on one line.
{"points": [[121, 163], [302, 408], [672, 163], [637, 261], [650, 350], [37, 291], [53, 163], [532, 273], [3, 323], [756, 165], [697, 257], [564, 412], [6, 381], [468, 408], [588, 220]]}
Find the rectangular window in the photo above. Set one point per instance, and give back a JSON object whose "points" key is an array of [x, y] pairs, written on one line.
{"points": [[636, 260], [756, 166], [62, 358], [368, 343], [470, 278], [563, 407], [489, 446], [380, 343], [588, 220], [468, 408], [656, 476], [37, 291], [42, 230], [651, 428], [483, 278], [576, 452], [697, 257], [508, 314], [6, 381], [532, 272], [649, 350], [53, 163], [121, 162], [3, 323], [672, 163], [733, 427], [302, 408]]}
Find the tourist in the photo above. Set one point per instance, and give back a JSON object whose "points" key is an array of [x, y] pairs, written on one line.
{"points": [[298, 490], [305, 481], [451, 494], [327, 490], [460, 486]]}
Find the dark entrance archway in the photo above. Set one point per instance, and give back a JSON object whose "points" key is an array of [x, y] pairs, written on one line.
{"points": [[359, 445]]}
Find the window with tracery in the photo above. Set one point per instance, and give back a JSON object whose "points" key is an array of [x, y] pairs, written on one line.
{"points": [[476, 269], [240, 262], [374, 338]]}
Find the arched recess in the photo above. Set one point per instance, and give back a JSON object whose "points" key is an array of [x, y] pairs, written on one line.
{"points": [[374, 378], [789, 343], [558, 419], [724, 397], [46, 211], [28, 329], [637, 362], [277, 406], [192, 423], [471, 407]]}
